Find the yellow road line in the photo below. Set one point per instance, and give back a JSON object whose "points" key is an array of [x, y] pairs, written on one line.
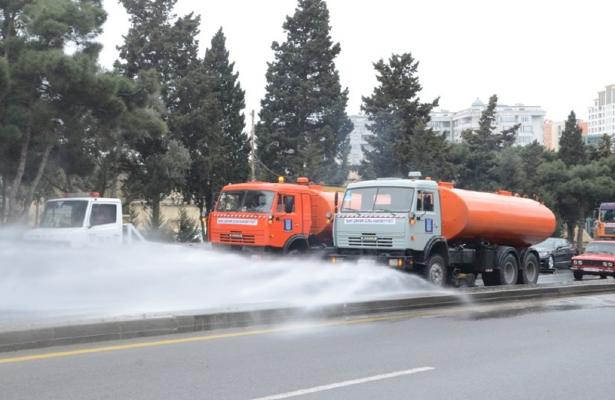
{"points": [[168, 342]]}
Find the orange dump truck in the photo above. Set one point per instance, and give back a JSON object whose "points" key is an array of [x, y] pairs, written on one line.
{"points": [[279, 217], [442, 232]]}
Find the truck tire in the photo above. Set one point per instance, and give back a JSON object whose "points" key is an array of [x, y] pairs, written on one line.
{"points": [[436, 271], [530, 271], [508, 272]]}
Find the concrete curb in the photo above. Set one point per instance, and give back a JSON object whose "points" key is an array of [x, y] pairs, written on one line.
{"points": [[95, 332]]}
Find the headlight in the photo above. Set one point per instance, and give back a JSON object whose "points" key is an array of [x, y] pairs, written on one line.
{"points": [[543, 254], [610, 264], [604, 263], [579, 262]]}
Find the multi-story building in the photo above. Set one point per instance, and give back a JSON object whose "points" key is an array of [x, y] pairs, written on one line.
{"points": [[452, 124], [531, 119], [602, 114], [553, 132]]}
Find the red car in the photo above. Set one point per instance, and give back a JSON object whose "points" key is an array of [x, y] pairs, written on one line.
{"points": [[598, 259]]}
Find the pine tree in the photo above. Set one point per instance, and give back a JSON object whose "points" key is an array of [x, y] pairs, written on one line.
{"points": [[401, 141], [232, 101], [198, 121], [603, 149], [41, 86], [159, 41], [484, 144], [571, 146], [303, 126], [187, 228]]}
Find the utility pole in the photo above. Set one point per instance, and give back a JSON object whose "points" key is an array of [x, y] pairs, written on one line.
{"points": [[252, 150]]}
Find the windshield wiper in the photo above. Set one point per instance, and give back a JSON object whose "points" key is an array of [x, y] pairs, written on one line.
{"points": [[350, 209]]}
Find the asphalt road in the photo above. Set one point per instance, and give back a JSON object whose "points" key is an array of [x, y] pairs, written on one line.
{"points": [[559, 349]]}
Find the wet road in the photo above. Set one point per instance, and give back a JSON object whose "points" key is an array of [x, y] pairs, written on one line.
{"points": [[530, 350]]}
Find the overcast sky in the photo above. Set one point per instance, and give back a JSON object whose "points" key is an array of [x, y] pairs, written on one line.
{"points": [[555, 54]]}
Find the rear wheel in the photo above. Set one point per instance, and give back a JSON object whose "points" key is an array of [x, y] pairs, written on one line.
{"points": [[530, 271], [436, 271], [509, 270], [577, 275]]}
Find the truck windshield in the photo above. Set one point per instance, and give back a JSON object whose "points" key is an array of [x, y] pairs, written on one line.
{"points": [[600, 247], [380, 199], [64, 214], [607, 215], [245, 200]]}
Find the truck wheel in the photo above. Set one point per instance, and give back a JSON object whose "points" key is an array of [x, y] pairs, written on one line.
{"points": [[436, 271], [509, 270], [530, 271], [293, 253], [577, 275]]}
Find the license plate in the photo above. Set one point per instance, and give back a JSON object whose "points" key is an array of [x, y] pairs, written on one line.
{"points": [[589, 269]]}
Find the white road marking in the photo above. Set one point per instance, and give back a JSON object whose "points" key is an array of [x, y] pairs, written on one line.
{"points": [[345, 383]]}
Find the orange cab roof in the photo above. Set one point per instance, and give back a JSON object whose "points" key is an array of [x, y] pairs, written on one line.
{"points": [[256, 185]]}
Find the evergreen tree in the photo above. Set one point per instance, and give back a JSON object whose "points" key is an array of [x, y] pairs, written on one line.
{"points": [[199, 121], [231, 97], [41, 86], [484, 144], [187, 228], [571, 145], [401, 141], [303, 126], [603, 149], [159, 41]]}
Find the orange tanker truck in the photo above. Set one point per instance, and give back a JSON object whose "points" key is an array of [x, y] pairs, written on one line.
{"points": [[604, 227], [444, 233], [279, 217]]}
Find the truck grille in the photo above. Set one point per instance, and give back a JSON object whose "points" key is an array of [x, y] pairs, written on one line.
{"points": [[236, 238], [370, 240]]}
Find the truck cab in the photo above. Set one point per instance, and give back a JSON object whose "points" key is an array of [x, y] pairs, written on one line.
{"points": [[278, 217], [83, 220], [604, 227], [388, 218]]}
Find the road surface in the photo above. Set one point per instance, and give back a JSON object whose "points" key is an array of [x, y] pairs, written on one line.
{"points": [[533, 350]]}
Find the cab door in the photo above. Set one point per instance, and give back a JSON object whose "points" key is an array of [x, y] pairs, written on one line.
{"points": [[427, 218], [105, 223], [287, 218]]}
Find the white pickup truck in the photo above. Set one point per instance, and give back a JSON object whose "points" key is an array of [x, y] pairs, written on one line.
{"points": [[84, 220]]}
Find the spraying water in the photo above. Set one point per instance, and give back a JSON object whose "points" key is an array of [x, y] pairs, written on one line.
{"points": [[44, 282]]}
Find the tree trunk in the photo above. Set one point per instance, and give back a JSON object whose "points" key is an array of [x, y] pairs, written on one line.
{"points": [[3, 194], [21, 168], [156, 214], [203, 232], [580, 231], [37, 179], [570, 231]]}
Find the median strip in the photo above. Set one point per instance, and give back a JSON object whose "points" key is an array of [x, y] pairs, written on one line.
{"points": [[130, 329]]}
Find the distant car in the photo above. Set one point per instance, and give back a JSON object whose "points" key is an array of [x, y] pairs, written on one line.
{"points": [[598, 259], [555, 253]]}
